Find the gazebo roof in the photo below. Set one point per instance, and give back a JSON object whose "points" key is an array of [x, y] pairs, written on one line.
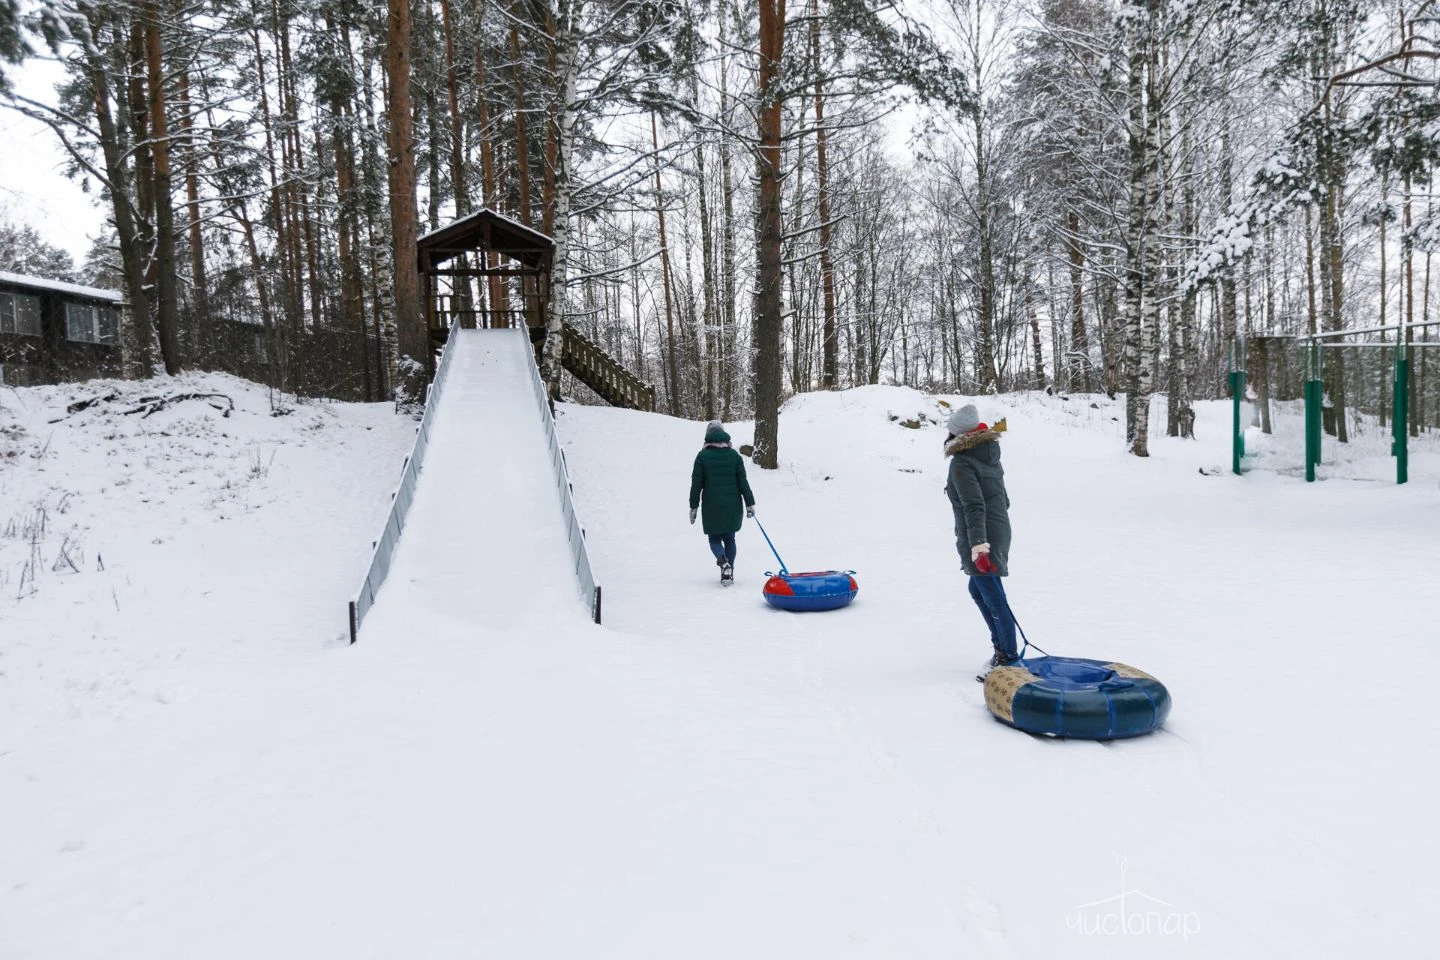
{"points": [[484, 230]]}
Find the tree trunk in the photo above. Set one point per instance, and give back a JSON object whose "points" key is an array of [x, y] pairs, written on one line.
{"points": [[352, 295], [1141, 261], [281, 338], [522, 142], [707, 270], [1036, 343], [767, 344], [412, 366], [457, 122], [671, 366], [1228, 299], [166, 307], [1186, 361], [552, 119], [137, 107], [135, 342], [985, 368], [1412, 407], [199, 284], [277, 359], [566, 47], [830, 353], [727, 264], [1332, 281], [1079, 338], [497, 293]]}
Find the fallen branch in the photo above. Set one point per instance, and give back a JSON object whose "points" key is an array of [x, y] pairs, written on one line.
{"points": [[79, 405], [149, 405]]}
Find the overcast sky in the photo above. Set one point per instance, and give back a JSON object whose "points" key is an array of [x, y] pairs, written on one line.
{"points": [[33, 189]]}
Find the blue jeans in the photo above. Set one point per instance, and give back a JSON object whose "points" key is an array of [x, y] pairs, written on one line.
{"points": [[989, 595], [723, 546]]}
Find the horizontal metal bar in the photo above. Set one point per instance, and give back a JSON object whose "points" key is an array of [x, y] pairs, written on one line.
{"points": [[1348, 333], [501, 272], [1388, 346]]}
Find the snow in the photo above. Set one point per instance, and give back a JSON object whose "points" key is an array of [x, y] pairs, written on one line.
{"points": [[61, 286], [206, 771], [484, 214], [487, 503]]}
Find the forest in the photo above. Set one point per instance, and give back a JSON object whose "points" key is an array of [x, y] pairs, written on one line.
{"points": [[751, 199]]}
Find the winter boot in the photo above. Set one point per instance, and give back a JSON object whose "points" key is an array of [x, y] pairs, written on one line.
{"points": [[997, 660], [727, 574]]}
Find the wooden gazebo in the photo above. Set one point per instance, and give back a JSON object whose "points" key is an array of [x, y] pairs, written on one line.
{"points": [[511, 265], [510, 260]]}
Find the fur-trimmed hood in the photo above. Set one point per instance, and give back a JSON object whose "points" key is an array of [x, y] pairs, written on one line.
{"points": [[969, 441]]}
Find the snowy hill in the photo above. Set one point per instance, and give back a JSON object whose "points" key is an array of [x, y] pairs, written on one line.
{"points": [[211, 527], [1266, 605], [203, 772]]}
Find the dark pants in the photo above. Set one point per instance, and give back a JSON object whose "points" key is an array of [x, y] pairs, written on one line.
{"points": [[989, 595], [723, 546]]}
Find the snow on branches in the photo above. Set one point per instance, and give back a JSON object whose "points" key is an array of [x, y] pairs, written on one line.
{"points": [[1280, 185]]}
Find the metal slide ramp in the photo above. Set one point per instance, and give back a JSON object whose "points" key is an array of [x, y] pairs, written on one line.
{"points": [[490, 533]]}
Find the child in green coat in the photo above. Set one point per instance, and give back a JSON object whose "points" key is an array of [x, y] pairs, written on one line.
{"points": [[718, 479]]}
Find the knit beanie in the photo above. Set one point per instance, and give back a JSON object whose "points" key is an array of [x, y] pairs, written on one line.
{"points": [[964, 420], [715, 433]]}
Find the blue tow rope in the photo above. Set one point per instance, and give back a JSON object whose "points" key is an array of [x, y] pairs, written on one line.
{"points": [[1028, 644], [1016, 620], [783, 570]]}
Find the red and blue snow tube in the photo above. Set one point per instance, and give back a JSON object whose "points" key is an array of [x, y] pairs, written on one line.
{"points": [[1072, 697], [804, 592]]}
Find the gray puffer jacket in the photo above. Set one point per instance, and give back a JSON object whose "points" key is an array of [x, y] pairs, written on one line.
{"points": [[976, 488]]}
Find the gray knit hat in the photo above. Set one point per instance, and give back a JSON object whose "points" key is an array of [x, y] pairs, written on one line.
{"points": [[715, 433], [964, 420]]}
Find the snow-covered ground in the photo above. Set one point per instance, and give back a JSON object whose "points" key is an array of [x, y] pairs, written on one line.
{"points": [[205, 772]]}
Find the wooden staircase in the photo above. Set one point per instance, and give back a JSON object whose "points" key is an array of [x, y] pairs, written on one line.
{"points": [[602, 373]]}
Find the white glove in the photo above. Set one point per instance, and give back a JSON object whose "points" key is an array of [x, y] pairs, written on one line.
{"points": [[693, 511], [750, 512], [977, 550]]}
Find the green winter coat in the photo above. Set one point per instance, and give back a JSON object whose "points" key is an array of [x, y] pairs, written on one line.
{"points": [[719, 474], [976, 488]]}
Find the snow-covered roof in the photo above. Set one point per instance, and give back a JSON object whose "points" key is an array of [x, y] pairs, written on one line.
{"points": [[60, 286], [484, 230], [485, 213]]}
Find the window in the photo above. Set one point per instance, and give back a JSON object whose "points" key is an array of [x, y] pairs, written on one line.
{"points": [[19, 374], [20, 313], [91, 323]]}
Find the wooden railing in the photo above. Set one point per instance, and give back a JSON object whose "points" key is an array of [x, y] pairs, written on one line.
{"points": [[602, 373], [458, 312], [586, 360]]}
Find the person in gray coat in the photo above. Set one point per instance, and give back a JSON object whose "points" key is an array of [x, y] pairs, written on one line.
{"points": [[976, 488]]}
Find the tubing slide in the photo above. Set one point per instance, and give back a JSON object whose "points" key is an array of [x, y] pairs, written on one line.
{"points": [[490, 531]]}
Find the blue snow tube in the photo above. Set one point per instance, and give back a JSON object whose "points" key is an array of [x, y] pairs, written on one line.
{"points": [[802, 592], [1071, 697]]}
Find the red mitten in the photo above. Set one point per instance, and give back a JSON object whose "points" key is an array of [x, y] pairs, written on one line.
{"points": [[983, 564]]}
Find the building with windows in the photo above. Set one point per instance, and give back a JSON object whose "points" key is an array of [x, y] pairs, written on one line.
{"points": [[52, 331]]}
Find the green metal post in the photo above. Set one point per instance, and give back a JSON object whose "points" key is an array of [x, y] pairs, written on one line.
{"points": [[1312, 420], [1237, 394], [1314, 399], [1401, 445], [1237, 431]]}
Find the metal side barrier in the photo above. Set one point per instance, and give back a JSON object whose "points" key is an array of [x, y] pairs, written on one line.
{"points": [[580, 557], [400, 501]]}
